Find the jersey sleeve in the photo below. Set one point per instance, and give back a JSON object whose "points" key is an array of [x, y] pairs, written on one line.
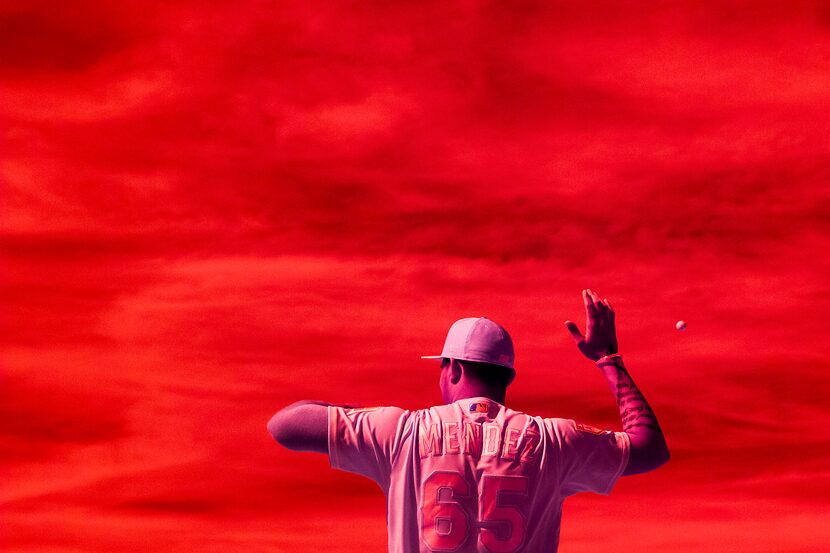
{"points": [[590, 459], [364, 440]]}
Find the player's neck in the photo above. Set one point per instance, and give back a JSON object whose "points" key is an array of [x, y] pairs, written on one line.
{"points": [[471, 391]]}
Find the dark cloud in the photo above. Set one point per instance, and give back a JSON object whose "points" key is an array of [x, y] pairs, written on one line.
{"points": [[43, 420], [41, 39]]}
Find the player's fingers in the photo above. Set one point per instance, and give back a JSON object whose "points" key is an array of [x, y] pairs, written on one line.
{"points": [[600, 309], [596, 299], [574, 330], [590, 308], [610, 309], [591, 314]]}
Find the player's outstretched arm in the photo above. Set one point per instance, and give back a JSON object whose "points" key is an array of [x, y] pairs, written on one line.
{"points": [[302, 426], [648, 445]]}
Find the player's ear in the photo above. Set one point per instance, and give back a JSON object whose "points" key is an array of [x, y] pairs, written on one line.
{"points": [[455, 371], [511, 377]]}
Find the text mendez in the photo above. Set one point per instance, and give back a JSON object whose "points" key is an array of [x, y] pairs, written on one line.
{"points": [[478, 440]]}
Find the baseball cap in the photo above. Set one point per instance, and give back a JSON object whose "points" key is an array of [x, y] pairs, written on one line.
{"points": [[478, 339]]}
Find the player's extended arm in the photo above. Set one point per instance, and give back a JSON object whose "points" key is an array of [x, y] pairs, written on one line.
{"points": [[648, 445], [302, 426]]}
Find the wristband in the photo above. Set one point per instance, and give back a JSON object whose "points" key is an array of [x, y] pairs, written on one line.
{"points": [[607, 359]]}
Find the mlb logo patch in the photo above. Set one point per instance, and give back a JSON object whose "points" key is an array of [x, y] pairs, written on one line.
{"points": [[478, 408]]}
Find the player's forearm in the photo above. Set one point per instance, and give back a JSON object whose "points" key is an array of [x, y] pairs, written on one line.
{"points": [[638, 419], [290, 408], [317, 402], [306, 402]]}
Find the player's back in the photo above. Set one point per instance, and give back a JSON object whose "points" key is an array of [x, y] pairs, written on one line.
{"points": [[474, 475], [483, 482]]}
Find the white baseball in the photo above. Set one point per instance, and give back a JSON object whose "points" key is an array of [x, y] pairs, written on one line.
{"points": [[681, 325]]}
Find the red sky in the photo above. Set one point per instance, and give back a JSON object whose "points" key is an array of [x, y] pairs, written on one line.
{"points": [[210, 212]]}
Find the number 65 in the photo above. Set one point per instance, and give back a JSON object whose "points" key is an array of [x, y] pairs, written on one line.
{"points": [[445, 524]]}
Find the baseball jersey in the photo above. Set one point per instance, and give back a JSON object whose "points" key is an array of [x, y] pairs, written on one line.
{"points": [[474, 475]]}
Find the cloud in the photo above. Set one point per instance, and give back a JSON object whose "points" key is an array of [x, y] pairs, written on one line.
{"points": [[41, 40], [209, 212], [42, 421]]}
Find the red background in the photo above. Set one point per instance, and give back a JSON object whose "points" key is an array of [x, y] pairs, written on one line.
{"points": [[210, 211]]}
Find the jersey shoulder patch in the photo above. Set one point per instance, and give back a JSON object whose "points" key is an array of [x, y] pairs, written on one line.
{"points": [[355, 410], [588, 428]]}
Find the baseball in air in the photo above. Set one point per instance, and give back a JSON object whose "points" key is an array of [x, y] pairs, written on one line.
{"points": [[681, 325]]}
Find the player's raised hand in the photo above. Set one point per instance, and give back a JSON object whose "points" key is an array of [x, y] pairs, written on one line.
{"points": [[601, 335]]}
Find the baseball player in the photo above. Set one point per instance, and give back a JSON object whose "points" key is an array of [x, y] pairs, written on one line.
{"points": [[473, 475]]}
